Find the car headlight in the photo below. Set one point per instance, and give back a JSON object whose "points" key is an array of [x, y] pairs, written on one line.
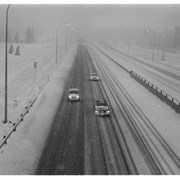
{"points": [[96, 111], [108, 111]]}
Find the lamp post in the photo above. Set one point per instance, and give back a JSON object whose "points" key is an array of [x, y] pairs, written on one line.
{"points": [[57, 31], [163, 48], [153, 46], [6, 68], [153, 43], [68, 40], [129, 42], [146, 39]]}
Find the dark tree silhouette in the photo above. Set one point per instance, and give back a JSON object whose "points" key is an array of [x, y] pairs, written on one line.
{"points": [[176, 36], [29, 36], [32, 36], [9, 37], [16, 38], [11, 49], [17, 51]]}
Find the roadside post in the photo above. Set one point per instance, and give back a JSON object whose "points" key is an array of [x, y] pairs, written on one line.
{"points": [[35, 66]]}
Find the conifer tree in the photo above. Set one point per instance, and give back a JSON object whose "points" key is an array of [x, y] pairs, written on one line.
{"points": [[17, 51], [11, 49]]}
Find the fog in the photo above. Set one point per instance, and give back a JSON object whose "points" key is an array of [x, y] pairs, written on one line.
{"points": [[44, 19]]}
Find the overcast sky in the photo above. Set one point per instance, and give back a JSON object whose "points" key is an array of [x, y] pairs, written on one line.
{"points": [[45, 18]]}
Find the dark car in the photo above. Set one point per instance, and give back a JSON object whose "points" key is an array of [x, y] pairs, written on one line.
{"points": [[102, 108], [94, 77]]}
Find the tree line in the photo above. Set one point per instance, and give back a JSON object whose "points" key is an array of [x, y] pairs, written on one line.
{"points": [[28, 38]]}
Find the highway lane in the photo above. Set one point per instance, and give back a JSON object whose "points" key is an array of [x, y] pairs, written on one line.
{"points": [[94, 154], [73, 146], [116, 162], [64, 149], [80, 142]]}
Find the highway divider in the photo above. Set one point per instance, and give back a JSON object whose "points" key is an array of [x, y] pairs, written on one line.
{"points": [[168, 99], [19, 120]]}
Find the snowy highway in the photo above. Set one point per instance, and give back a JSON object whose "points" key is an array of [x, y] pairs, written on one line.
{"points": [[127, 142], [90, 89], [142, 124], [83, 139], [139, 137]]}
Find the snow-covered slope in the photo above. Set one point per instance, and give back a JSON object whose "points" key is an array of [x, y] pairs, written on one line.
{"points": [[22, 85]]}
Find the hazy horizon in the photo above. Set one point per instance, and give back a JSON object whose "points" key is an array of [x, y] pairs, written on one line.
{"points": [[44, 19]]}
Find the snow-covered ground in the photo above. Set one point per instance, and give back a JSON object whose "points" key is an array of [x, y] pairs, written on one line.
{"points": [[171, 58], [22, 152], [22, 85], [160, 115]]}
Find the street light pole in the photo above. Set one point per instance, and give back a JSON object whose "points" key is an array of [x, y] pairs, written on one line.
{"points": [[6, 68], [57, 43], [154, 44], [68, 40], [65, 40], [153, 48], [57, 31], [129, 42]]}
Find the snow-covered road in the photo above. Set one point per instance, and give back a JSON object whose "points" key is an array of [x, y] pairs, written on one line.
{"points": [[164, 119], [21, 154]]}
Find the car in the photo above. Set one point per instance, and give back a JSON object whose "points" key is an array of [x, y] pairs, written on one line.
{"points": [[94, 77], [74, 94], [102, 108]]}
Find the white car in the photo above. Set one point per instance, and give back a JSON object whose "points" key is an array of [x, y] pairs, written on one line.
{"points": [[94, 77], [74, 94]]}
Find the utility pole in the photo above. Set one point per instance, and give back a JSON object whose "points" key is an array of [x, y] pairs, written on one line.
{"points": [[6, 68]]}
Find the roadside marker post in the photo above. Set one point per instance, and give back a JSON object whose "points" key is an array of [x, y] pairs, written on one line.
{"points": [[35, 66]]}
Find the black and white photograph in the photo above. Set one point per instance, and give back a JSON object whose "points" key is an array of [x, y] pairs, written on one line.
{"points": [[89, 89]]}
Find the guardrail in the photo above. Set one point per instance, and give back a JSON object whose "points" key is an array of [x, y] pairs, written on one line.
{"points": [[20, 119], [168, 99]]}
